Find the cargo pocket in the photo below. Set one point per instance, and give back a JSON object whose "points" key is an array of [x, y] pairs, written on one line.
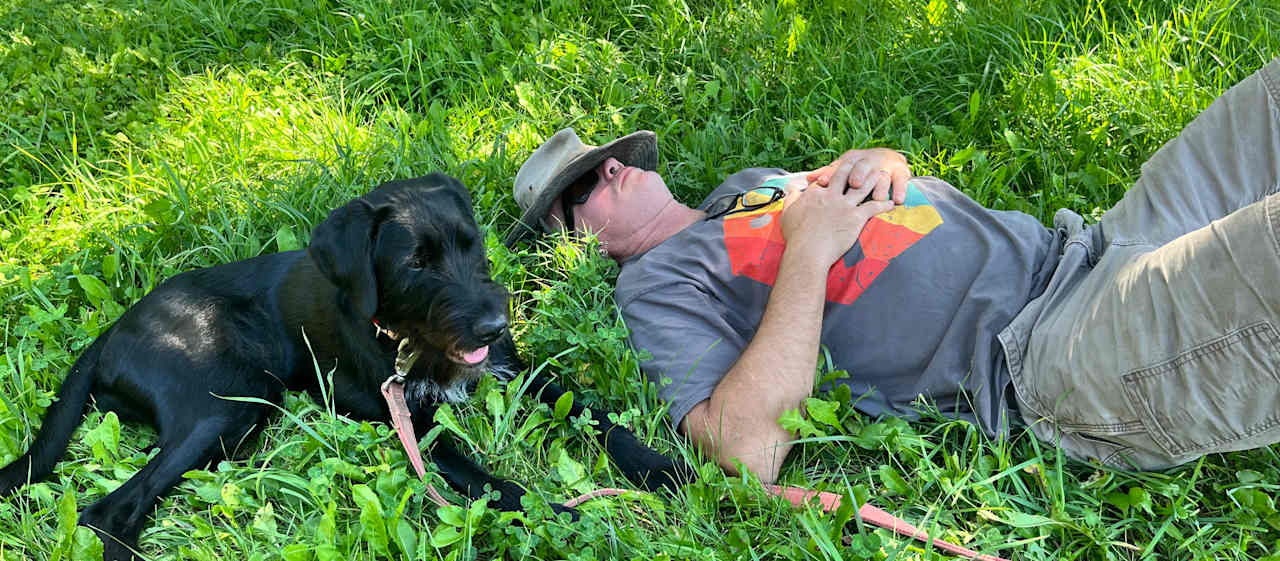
{"points": [[1105, 451], [1220, 396]]}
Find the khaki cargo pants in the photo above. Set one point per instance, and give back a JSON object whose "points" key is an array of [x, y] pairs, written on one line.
{"points": [[1158, 338]]}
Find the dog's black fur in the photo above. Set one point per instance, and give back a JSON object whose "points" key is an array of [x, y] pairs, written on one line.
{"points": [[408, 254]]}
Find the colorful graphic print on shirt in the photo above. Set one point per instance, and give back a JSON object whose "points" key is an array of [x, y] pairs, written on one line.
{"points": [[754, 240]]}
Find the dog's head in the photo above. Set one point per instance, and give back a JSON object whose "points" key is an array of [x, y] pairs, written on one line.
{"points": [[410, 256]]}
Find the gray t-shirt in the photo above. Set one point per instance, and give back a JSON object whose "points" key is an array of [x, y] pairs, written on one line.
{"points": [[912, 310]]}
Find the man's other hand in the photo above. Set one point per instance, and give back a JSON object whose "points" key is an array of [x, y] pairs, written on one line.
{"points": [[820, 223], [883, 170]]}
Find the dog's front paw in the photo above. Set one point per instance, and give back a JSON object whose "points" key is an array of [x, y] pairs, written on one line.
{"points": [[115, 550], [645, 467], [667, 474], [652, 471], [559, 508]]}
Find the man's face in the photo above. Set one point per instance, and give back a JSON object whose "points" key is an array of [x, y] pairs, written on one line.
{"points": [[623, 201]]}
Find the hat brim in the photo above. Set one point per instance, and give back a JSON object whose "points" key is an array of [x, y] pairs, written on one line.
{"points": [[639, 149]]}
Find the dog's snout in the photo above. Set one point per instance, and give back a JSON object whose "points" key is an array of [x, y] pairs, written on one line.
{"points": [[491, 328]]}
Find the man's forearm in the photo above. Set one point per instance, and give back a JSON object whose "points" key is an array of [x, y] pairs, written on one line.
{"points": [[774, 374], [775, 371]]}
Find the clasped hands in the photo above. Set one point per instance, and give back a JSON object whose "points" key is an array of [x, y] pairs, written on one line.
{"points": [[823, 223]]}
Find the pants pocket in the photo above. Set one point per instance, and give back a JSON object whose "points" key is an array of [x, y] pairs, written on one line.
{"points": [[1108, 452], [1219, 396]]}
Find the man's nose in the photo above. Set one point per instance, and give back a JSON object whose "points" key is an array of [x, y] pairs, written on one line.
{"points": [[610, 168]]}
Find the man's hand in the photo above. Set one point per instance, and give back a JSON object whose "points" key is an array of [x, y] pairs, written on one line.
{"points": [[821, 223], [881, 169]]}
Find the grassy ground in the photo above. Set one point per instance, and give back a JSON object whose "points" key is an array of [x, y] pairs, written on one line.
{"points": [[140, 139]]}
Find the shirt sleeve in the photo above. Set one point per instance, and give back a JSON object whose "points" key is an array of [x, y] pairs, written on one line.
{"points": [[689, 342]]}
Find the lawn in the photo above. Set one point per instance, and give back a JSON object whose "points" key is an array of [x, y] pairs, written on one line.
{"points": [[140, 139]]}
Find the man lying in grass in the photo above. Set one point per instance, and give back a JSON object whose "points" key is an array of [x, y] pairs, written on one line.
{"points": [[1143, 341]]}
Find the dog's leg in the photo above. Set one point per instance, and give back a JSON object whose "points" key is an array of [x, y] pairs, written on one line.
{"points": [[470, 479], [640, 464], [118, 518], [359, 397]]}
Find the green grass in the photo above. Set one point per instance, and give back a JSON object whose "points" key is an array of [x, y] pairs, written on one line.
{"points": [[141, 139]]}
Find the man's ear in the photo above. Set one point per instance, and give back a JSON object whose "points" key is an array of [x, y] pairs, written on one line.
{"points": [[342, 248]]}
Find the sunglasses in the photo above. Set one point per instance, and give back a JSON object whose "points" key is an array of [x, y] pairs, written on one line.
{"points": [[577, 193], [746, 201]]}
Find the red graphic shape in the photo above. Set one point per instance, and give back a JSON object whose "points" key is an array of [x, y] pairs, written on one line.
{"points": [[885, 240], [755, 244], [845, 284], [755, 251]]}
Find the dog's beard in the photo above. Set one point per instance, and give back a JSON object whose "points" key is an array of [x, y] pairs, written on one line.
{"points": [[446, 322], [437, 325], [444, 381], [427, 390], [451, 349], [456, 389]]}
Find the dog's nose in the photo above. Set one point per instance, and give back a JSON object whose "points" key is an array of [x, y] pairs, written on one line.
{"points": [[491, 328]]}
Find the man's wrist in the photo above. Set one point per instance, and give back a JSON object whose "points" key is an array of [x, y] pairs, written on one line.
{"points": [[804, 258]]}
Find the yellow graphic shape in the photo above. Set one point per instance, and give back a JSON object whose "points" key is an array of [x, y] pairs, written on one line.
{"points": [[919, 219]]}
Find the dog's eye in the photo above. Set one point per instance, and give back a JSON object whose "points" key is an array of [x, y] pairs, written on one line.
{"points": [[421, 257]]}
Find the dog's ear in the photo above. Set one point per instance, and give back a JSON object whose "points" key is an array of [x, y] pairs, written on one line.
{"points": [[342, 248]]}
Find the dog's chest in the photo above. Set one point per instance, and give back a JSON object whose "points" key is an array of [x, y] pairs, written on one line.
{"points": [[427, 390]]}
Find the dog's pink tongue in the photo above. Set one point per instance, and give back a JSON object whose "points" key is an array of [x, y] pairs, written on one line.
{"points": [[474, 357]]}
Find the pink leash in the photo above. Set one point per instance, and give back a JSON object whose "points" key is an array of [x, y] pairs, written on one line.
{"points": [[875, 516], [393, 392]]}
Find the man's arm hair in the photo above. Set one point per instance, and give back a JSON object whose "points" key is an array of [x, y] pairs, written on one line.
{"points": [[774, 374]]}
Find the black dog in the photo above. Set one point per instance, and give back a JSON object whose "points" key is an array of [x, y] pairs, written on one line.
{"points": [[408, 255]]}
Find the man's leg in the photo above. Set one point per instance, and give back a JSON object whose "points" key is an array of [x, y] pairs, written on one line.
{"points": [[1169, 348], [1171, 353]]}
